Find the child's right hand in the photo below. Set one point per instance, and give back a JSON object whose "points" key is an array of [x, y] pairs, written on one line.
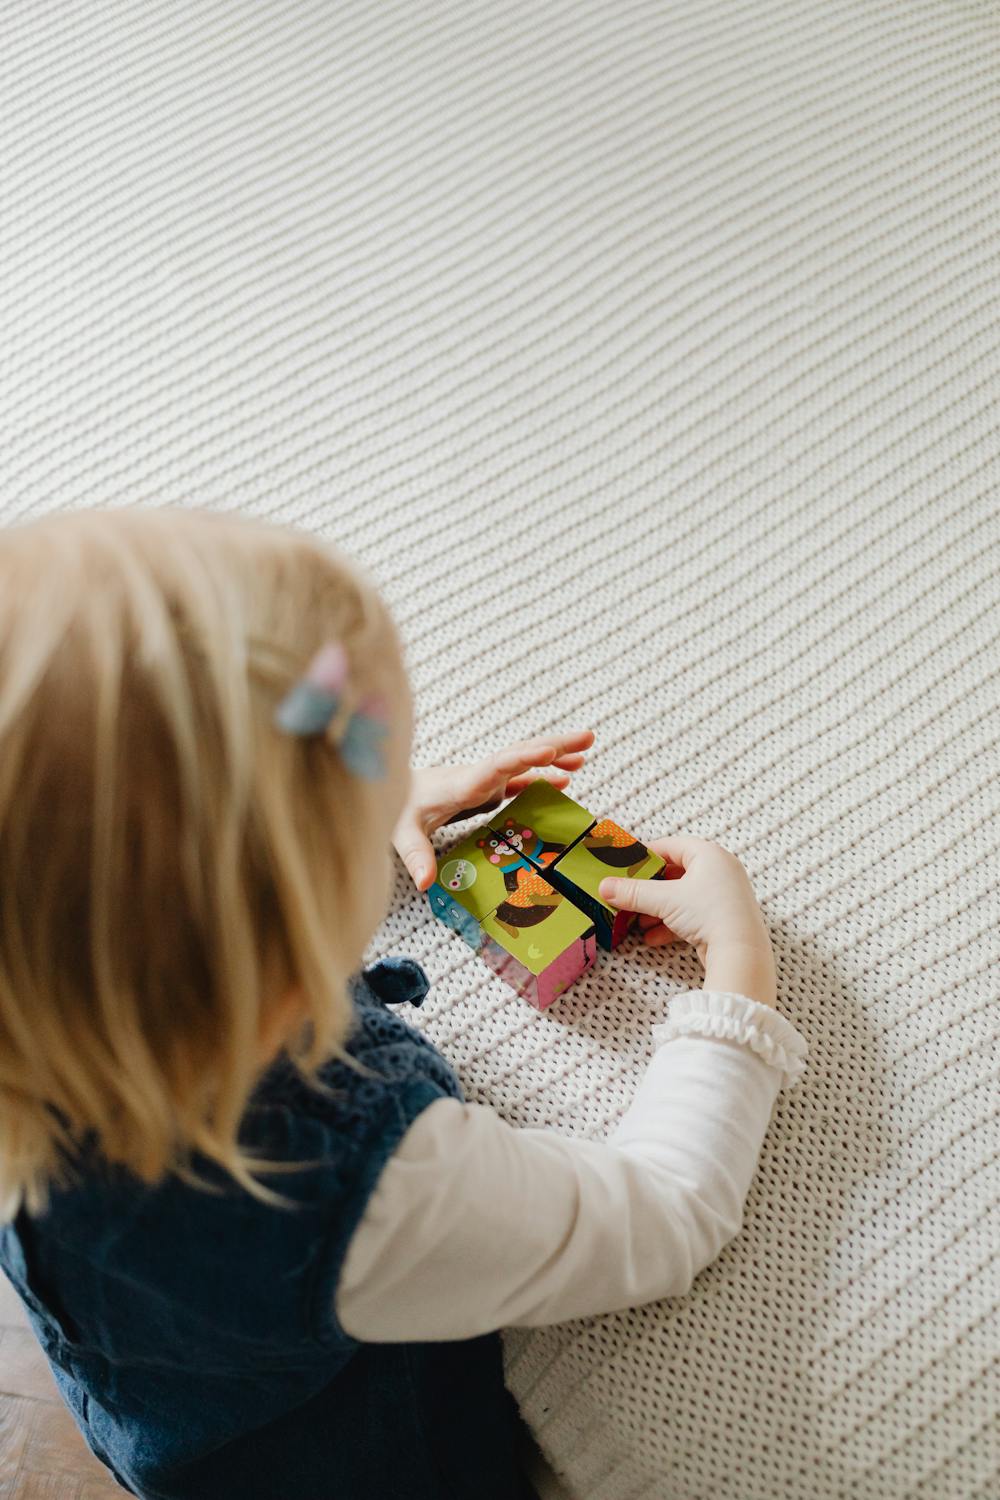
{"points": [[706, 899]]}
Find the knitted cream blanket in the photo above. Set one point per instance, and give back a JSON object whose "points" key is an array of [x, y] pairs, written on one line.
{"points": [[647, 352]]}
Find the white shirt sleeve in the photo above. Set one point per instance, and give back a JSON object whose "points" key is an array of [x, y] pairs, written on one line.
{"points": [[476, 1225]]}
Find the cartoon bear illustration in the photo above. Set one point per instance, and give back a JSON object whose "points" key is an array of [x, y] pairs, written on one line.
{"points": [[530, 898], [513, 847]]}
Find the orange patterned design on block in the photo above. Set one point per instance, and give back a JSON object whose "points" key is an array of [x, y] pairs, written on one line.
{"points": [[605, 829], [529, 885]]}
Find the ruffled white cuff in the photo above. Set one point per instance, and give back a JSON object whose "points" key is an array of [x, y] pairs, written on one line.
{"points": [[738, 1019]]}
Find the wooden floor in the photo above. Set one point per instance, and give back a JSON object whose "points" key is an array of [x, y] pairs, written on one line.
{"points": [[42, 1455]]}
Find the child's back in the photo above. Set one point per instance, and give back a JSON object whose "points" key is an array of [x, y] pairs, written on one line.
{"points": [[193, 1334]]}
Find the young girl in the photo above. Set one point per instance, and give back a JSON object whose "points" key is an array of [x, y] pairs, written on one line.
{"points": [[264, 1243]]}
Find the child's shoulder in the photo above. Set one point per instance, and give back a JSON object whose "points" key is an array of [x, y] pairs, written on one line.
{"points": [[394, 1070]]}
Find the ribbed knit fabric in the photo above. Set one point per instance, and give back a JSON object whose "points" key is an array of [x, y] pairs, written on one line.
{"points": [[646, 351]]}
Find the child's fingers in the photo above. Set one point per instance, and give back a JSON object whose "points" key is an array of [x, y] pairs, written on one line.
{"points": [[559, 779], [679, 848], [541, 752], [416, 851], [570, 762], [659, 935], [654, 931], [526, 753], [572, 740], [558, 775], [634, 895]]}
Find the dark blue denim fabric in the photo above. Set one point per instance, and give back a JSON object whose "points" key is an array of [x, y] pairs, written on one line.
{"points": [[193, 1333]]}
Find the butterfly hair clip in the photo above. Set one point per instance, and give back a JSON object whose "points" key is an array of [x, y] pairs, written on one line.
{"points": [[312, 704]]}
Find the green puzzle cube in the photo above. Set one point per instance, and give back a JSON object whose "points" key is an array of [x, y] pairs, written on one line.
{"points": [[604, 850], [542, 958], [522, 890], [541, 823], [527, 931], [468, 879]]}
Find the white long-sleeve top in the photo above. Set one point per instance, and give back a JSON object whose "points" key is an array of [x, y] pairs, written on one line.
{"points": [[476, 1225]]}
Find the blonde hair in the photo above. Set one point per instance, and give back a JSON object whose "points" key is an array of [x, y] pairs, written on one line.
{"points": [[170, 863]]}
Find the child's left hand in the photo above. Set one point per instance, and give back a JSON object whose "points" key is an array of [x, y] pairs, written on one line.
{"points": [[444, 794]]}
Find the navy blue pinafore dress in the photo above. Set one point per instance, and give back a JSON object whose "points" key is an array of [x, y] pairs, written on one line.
{"points": [[193, 1334]]}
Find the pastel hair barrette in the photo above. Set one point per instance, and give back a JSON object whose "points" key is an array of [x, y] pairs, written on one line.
{"points": [[311, 705]]}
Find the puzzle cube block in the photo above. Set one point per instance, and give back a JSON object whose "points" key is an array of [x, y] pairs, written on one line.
{"points": [[538, 941], [522, 890], [605, 849], [468, 887], [539, 825]]}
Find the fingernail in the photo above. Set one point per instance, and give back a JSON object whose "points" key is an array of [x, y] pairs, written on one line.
{"points": [[608, 889]]}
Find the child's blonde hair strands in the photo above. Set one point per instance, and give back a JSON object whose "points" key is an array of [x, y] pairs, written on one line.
{"points": [[169, 862]]}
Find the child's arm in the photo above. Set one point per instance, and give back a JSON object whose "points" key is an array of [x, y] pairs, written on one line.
{"points": [[476, 1225]]}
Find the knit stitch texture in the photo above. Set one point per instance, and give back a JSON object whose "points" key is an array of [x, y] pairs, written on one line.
{"points": [[646, 352]]}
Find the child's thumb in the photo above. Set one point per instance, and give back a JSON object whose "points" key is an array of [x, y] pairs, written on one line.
{"points": [[633, 895], [416, 851]]}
